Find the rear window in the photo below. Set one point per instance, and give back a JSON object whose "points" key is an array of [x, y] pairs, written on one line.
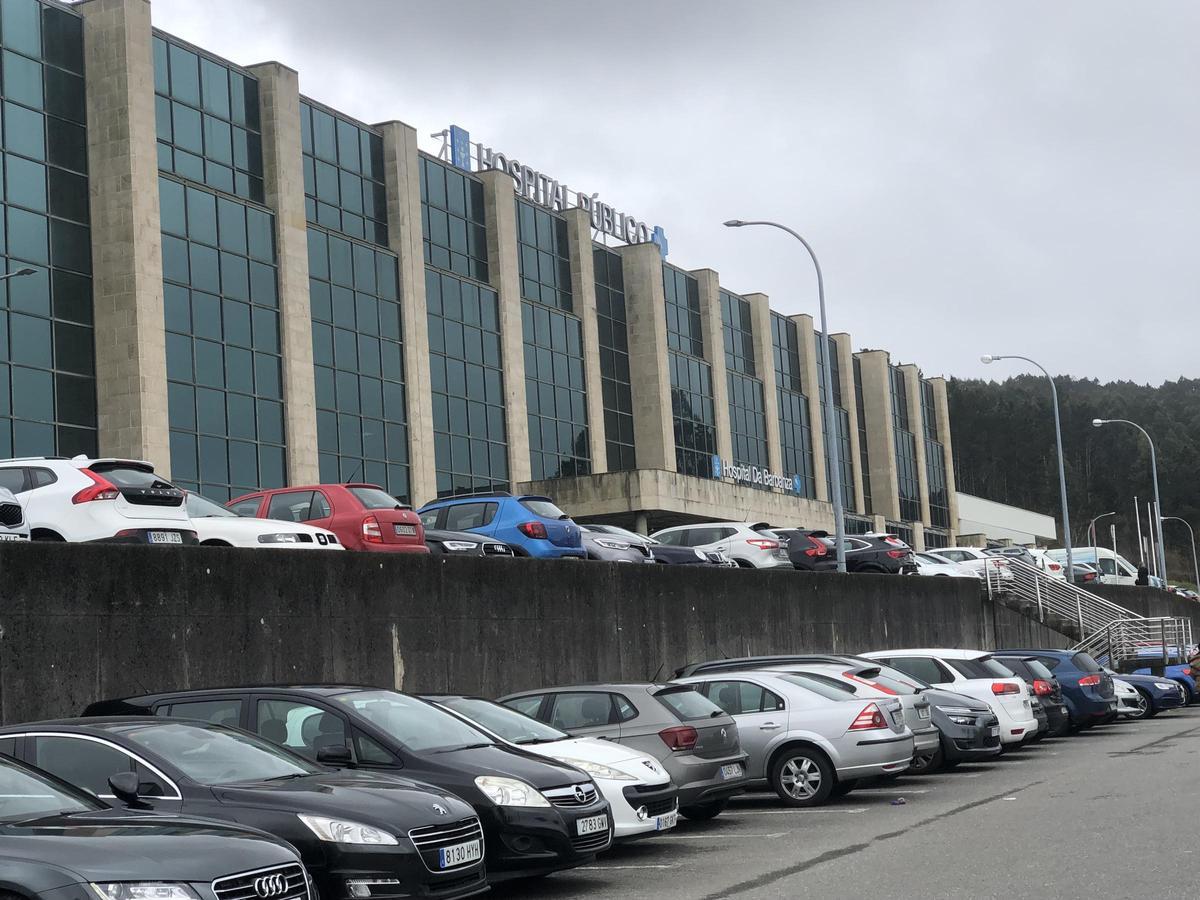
{"points": [[833, 683], [984, 667], [1018, 666], [543, 508], [817, 687], [895, 685], [125, 476], [1037, 670], [374, 498], [1050, 662], [688, 705], [1085, 663]]}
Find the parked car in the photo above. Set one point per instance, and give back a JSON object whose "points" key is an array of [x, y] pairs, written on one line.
{"points": [[82, 499], [692, 738], [1020, 554], [978, 561], [530, 525], [810, 550], [808, 739], [538, 815], [1048, 566], [217, 526], [1044, 687], [931, 564], [969, 729], [976, 674], [750, 545], [1087, 689], [13, 526], [363, 516], [637, 788], [656, 550], [877, 552], [1130, 703], [1153, 694], [1112, 567], [610, 548], [349, 827], [58, 842], [1182, 674], [464, 543]]}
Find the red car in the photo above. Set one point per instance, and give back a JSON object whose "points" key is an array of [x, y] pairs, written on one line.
{"points": [[363, 516]]}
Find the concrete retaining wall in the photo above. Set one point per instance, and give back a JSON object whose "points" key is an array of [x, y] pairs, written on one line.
{"points": [[1150, 602], [79, 623]]}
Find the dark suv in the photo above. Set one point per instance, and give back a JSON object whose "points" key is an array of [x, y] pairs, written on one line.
{"points": [[1086, 688], [1044, 686], [877, 552], [809, 550]]}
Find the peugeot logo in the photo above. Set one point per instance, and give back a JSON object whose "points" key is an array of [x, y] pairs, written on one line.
{"points": [[440, 810], [649, 765], [270, 885], [580, 794]]}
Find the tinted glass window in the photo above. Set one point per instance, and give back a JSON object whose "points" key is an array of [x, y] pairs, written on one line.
{"points": [[25, 795], [1050, 662], [374, 498], [1085, 663], [219, 712], [1038, 670], [369, 752], [41, 477], [419, 726], [128, 476], [86, 764], [527, 705], [209, 754], [508, 723], [738, 697], [1017, 666], [202, 508], [13, 479], [920, 667], [994, 668], [301, 727], [625, 709], [817, 686], [247, 507], [429, 519], [672, 538], [895, 685], [465, 516], [320, 507], [292, 506], [589, 709], [687, 704], [544, 508], [834, 684]]}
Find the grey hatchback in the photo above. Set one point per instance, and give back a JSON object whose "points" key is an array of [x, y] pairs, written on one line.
{"points": [[694, 739]]}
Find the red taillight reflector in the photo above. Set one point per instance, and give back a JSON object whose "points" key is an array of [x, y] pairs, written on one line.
{"points": [[1055, 567], [1018, 731], [1089, 681], [533, 530], [895, 541], [869, 718], [371, 532], [1004, 687], [101, 489], [897, 554], [1187, 670], [763, 543], [1042, 688], [871, 684], [681, 737], [818, 548]]}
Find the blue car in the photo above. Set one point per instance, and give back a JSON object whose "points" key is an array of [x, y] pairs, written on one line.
{"points": [[1087, 689], [1182, 674], [531, 526], [1158, 694]]}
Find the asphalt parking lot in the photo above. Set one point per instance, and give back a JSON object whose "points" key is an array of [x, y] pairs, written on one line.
{"points": [[1108, 813]]}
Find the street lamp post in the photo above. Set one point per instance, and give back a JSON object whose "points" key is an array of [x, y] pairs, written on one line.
{"points": [[19, 272], [1195, 565], [1158, 516], [1091, 535], [1062, 477], [832, 450]]}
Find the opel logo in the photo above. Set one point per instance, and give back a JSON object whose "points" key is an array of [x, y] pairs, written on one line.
{"points": [[440, 810], [580, 794], [270, 885]]}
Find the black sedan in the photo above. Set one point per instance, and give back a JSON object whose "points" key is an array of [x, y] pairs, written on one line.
{"points": [[538, 815], [360, 834], [464, 543], [60, 843]]}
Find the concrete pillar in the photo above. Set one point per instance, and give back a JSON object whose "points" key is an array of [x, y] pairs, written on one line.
{"points": [[918, 530], [881, 440], [500, 213], [879, 522], [912, 378], [127, 277], [283, 184], [583, 289], [850, 400], [641, 523], [812, 390], [713, 334], [649, 373], [764, 367], [941, 408], [402, 177]]}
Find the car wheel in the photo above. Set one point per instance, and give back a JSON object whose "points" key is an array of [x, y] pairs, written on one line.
{"points": [[215, 544], [41, 534], [1145, 707], [924, 763], [702, 812], [802, 776]]}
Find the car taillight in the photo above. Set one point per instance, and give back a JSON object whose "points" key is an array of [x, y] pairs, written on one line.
{"points": [[818, 548], [871, 684], [533, 530], [1187, 670], [895, 541], [763, 543], [1055, 567], [101, 489], [897, 554], [869, 718], [1004, 687], [1042, 688], [681, 737], [1089, 681], [371, 532]]}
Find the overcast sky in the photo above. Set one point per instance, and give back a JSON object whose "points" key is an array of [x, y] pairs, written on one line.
{"points": [[977, 177]]}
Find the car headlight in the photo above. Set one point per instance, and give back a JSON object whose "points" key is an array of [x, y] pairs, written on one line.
{"points": [[340, 831], [285, 537], [509, 791], [596, 770], [699, 554], [459, 545], [144, 890], [611, 544], [1164, 685]]}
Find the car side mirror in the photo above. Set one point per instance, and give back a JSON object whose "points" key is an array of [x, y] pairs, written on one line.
{"points": [[125, 786], [335, 756]]}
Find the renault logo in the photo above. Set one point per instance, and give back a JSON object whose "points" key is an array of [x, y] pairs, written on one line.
{"points": [[440, 810], [580, 794], [270, 885]]}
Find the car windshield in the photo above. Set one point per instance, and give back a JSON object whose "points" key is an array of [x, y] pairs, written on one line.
{"points": [[419, 726], [375, 498], [508, 723], [25, 795], [687, 704], [543, 508], [896, 675], [806, 681], [213, 754], [621, 532], [202, 508]]}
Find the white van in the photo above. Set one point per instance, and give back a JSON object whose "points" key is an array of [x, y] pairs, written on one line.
{"points": [[1114, 568]]}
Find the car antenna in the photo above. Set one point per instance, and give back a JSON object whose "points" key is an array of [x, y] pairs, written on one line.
{"points": [[657, 672], [724, 655], [357, 471]]}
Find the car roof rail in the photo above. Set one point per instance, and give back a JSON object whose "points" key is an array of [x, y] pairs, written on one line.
{"points": [[472, 494]]}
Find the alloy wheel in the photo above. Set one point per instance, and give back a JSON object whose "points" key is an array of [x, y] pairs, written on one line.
{"points": [[1141, 707], [801, 777]]}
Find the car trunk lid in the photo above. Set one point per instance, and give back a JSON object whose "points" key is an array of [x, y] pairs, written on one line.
{"points": [[396, 523], [140, 493]]}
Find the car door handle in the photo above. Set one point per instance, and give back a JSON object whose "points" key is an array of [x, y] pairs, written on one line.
{"points": [[768, 726]]}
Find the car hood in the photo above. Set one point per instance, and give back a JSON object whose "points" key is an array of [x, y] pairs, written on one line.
{"points": [[606, 753], [939, 697], [511, 762], [1144, 680], [381, 800], [111, 846]]}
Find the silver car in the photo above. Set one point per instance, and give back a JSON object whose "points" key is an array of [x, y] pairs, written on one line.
{"points": [[693, 739], [806, 740]]}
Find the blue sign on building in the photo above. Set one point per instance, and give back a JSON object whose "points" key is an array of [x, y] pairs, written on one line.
{"points": [[797, 484], [716, 466], [659, 237], [460, 148]]}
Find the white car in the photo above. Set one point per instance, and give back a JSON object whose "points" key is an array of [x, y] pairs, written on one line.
{"points": [[929, 563], [218, 527], [13, 526], [1130, 701], [81, 499], [1049, 566], [636, 786], [976, 674], [978, 561], [751, 545]]}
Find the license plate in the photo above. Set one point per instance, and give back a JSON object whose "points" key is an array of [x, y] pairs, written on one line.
{"points": [[667, 822], [4, 536], [993, 732], [733, 770], [592, 825], [923, 713], [406, 530], [165, 537], [459, 854]]}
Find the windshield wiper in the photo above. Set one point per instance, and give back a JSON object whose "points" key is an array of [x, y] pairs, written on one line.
{"points": [[462, 747], [535, 740], [290, 777]]}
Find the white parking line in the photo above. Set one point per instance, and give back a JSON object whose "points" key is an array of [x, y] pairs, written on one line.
{"points": [[789, 812], [608, 868], [722, 836], [883, 790]]}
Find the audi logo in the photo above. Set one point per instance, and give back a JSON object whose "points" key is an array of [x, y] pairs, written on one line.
{"points": [[270, 885]]}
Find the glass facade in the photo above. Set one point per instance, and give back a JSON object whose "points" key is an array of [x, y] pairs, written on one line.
{"points": [[47, 357], [358, 355], [207, 120], [902, 531], [614, 360], [545, 261], [795, 432], [452, 221], [842, 421], [738, 332], [906, 449], [747, 407], [693, 415], [935, 461], [682, 293], [864, 455], [343, 174], [225, 390], [859, 525]]}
